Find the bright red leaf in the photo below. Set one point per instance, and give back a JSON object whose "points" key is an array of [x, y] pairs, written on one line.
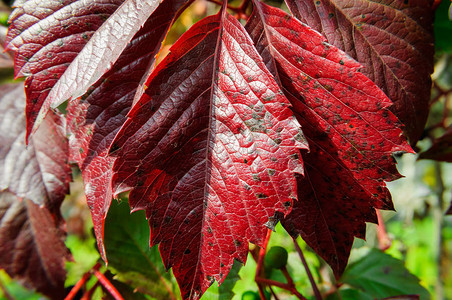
{"points": [[210, 151], [351, 134], [392, 39], [31, 237], [95, 118]]}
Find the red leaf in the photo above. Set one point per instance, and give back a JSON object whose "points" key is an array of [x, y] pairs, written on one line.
{"points": [[66, 45], [441, 149], [210, 152], [36, 172], [350, 131], [95, 120], [31, 238], [392, 39]]}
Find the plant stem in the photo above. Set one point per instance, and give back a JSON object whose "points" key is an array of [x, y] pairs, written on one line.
{"points": [[260, 264], [81, 282], [384, 242], [286, 286], [89, 293], [438, 219], [317, 294], [108, 285]]}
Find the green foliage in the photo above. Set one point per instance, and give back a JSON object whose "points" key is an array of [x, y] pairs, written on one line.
{"points": [[129, 255], [443, 28], [380, 275]]}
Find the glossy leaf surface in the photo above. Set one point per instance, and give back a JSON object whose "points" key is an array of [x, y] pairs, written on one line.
{"points": [[95, 118], [392, 39], [351, 134], [46, 37], [210, 152]]}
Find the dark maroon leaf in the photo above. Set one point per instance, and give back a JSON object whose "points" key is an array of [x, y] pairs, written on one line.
{"points": [[66, 46], [210, 152], [39, 171], [393, 39], [95, 118], [31, 245], [31, 238], [441, 149], [350, 130]]}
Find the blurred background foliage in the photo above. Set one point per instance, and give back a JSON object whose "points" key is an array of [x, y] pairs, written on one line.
{"points": [[418, 260]]}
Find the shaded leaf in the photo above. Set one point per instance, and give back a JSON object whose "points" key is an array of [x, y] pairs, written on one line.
{"points": [[443, 27], [349, 128], [392, 39], [380, 275], [210, 151], [31, 237], [129, 254], [31, 245], [225, 289], [37, 172], [95, 118], [441, 150]]}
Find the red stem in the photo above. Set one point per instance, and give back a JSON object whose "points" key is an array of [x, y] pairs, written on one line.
{"points": [[108, 285], [317, 294], [89, 293], [81, 282], [290, 288], [260, 264], [384, 242]]}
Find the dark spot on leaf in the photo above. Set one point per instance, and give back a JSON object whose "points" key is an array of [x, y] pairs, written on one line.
{"points": [[245, 161], [114, 147], [209, 230], [187, 251], [261, 196], [271, 172], [237, 243]]}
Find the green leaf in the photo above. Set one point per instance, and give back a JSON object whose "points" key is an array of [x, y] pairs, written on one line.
{"points": [[380, 275], [350, 294], [225, 290], [443, 28], [129, 256]]}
